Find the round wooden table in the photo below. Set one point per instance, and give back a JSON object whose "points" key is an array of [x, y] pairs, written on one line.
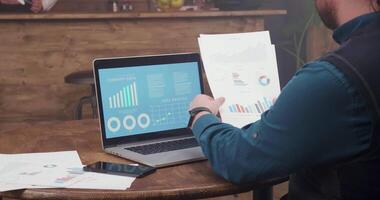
{"points": [[187, 181]]}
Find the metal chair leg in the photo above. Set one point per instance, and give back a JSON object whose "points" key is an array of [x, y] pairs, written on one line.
{"points": [[79, 107], [94, 107], [94, 104], [87, 99]]}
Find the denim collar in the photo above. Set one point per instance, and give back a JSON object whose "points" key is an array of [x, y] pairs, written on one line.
{"points": [[344, 32]]}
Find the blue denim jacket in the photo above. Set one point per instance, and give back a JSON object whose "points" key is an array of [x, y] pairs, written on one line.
{"points": [[319, 118]]}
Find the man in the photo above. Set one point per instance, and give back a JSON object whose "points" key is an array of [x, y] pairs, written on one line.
{"points": [[323, 130], [24, 5]]}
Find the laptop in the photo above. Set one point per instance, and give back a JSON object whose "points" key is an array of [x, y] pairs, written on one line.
{"points": [[143, 107]]}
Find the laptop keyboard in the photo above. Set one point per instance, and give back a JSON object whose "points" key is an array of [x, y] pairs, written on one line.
{"points": [[165, 146]]}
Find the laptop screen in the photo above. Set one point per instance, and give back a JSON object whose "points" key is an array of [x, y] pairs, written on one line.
{"points": [[145, 99]]}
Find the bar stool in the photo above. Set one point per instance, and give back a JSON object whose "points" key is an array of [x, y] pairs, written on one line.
{"points": [[83, 78]]}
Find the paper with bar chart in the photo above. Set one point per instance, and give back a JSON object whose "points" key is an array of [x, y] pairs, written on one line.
{"points": [[146, 99], [243, 69]]}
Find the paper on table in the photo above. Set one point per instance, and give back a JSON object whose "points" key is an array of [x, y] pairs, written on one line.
{"points": [[4, 187], [12, 165], [12, 186], [76, 178], [91, 180], [54, 169], [41, 167], [63, 158], [27, 175], [244, 70], [34, 174]]}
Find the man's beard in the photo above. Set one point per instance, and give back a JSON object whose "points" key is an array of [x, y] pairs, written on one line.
{"points": [[327, 12]]}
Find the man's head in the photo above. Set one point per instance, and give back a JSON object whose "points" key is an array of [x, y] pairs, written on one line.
{"points": [[336, 12]]}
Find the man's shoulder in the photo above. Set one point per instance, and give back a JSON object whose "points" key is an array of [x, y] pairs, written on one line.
{"points": [[322, 70]]}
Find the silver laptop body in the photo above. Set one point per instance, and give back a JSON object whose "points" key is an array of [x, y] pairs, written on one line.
{"points": [[142, 101]]}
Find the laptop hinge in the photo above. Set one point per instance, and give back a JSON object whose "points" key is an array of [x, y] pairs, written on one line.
{"points": [[110, 146]]}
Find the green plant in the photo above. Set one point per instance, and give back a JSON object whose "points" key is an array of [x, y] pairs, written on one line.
{"points": [[297, 30]]}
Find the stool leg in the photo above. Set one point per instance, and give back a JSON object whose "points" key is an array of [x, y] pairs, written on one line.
{"points": [[94, 107], [79, 108], [265, 193], [94, 104]]}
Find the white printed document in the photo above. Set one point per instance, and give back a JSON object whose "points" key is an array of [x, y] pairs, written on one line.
{"points": [[64, 158], [54, 170], [36, 170], [243, 69]]}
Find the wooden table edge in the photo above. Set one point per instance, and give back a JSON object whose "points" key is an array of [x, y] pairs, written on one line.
{"points": [[183, 193]]}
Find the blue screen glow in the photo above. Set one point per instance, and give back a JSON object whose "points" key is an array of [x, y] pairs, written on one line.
{"points": [[146, 99]]}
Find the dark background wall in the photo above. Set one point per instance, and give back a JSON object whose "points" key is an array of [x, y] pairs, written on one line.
{"points": [[285, 30]]}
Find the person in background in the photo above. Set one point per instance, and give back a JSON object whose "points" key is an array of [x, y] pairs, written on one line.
{"points": [[323, 130], [25, 5]]}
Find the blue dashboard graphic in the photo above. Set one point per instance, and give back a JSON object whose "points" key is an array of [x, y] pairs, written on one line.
{"points": [[144, 99]]}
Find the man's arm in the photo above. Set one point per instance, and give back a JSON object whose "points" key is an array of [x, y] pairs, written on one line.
{"points": [[318, 119]]}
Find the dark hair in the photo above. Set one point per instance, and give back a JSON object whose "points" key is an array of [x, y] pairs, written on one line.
{"points": [[378, 2]]}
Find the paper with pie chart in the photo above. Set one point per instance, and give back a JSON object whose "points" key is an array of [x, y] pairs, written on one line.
{"points": [[243, 69]]}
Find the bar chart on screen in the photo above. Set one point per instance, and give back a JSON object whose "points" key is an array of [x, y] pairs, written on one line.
{"points": [[126, 97]]}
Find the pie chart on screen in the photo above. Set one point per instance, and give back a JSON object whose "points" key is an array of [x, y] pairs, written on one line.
{"points": [[264, 80]]}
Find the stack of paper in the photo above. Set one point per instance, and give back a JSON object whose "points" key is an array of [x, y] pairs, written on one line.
{"points": [[53, 170], [241, 67]]}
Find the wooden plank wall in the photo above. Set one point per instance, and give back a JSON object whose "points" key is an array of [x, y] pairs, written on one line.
{"points": [[82, 6], [35, 56], [319, 42]]}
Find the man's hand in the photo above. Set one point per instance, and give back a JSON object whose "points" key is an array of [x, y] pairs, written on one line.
{"points": [[208, 102]]}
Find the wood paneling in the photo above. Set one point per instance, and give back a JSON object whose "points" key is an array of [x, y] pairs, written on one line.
{"points": [[36, 55], [138, 15], [319, 42]]}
